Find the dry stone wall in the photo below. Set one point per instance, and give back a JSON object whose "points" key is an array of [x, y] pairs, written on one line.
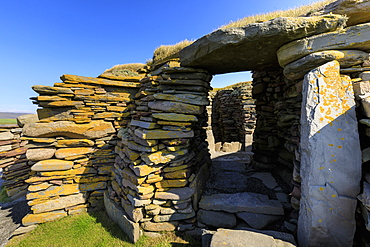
{"points": [[163, 159], [71, 147], [329, 137], [233, 118], [13, 162]]}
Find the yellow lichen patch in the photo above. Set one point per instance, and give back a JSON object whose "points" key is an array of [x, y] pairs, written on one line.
{"points": [[31, 219], [333, 195], [52, 165], [68, 152], [173, 183], [339, 147], [321, 188], [321, 168], [98, 81], [74, 143]]}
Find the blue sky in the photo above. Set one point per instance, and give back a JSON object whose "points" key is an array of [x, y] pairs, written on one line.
{"points": [[43, 39]]}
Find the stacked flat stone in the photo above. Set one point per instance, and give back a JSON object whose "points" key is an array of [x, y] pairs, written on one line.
{"points": [[233, 117], [71, 147], [13, 161], [361, 85], [329, 69], [163, 157]]}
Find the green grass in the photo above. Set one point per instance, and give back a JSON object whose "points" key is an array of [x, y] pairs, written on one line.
{"points": [[90, 229], [3, 195], [8, 121]]}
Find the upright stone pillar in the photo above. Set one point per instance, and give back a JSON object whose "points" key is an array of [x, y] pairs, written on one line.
{"points": [[330, 159]]}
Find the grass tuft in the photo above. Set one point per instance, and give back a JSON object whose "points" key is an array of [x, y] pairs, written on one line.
{"points": [[90, 230], [169, 51], [303, 10], [124, 69], [3, 195]]}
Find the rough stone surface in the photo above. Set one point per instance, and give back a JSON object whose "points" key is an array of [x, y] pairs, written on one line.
{"points": [[63, 153], [37, 154], [52, 165], [242, 202], [357, 11], [32, 219], [258, 221], [175, 107], [27, 118], [355, 37], [175, 194], [217, 219], [254, 46], [160, 227], [239, 238], [119, 216], [60, 203], [346, 58], [92, 130], [329, 142]]}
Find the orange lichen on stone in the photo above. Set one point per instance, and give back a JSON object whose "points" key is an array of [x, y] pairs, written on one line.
{"points": [[68, 152]]}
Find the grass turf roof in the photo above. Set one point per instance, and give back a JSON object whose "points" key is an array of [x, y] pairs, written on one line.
{"points": [[165, 52]]}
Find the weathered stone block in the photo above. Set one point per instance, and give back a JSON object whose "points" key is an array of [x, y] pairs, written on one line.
{"points": [[32, 219], [68, 152], [254, 46], [242, 202], [119, 216], [52, 165], [60, 203], [36, 154], [175, 107], [217, 219], [329, 142], [175, 117], [159, 227], [163, 134], [355, 37], [93, 130]]}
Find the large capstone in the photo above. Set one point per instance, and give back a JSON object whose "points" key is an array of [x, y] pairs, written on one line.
{"points": [[330, 159], [254, 46]]}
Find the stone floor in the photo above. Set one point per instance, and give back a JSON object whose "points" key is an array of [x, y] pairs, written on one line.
{"points": [[239, 197]]}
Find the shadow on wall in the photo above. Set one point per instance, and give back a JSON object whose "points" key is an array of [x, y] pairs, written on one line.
{"points": [[330, 159]]}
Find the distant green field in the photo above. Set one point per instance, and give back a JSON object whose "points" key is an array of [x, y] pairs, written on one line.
{"points": [[8, 121]]}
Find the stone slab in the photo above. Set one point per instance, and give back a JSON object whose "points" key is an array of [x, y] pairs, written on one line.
{"points": [[60, 203], [175, 117], [346, 58], [92, 130], [162, 134], [52, 165], [175, 107], [216, 219], [36, 154], [356, 11], [242, 202], [100, 81], [241, 238], [254, 46], [116, 213], [355, 37], [32, 219], [184, 98], [175, 194], [329, 143], [258, 221]]}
